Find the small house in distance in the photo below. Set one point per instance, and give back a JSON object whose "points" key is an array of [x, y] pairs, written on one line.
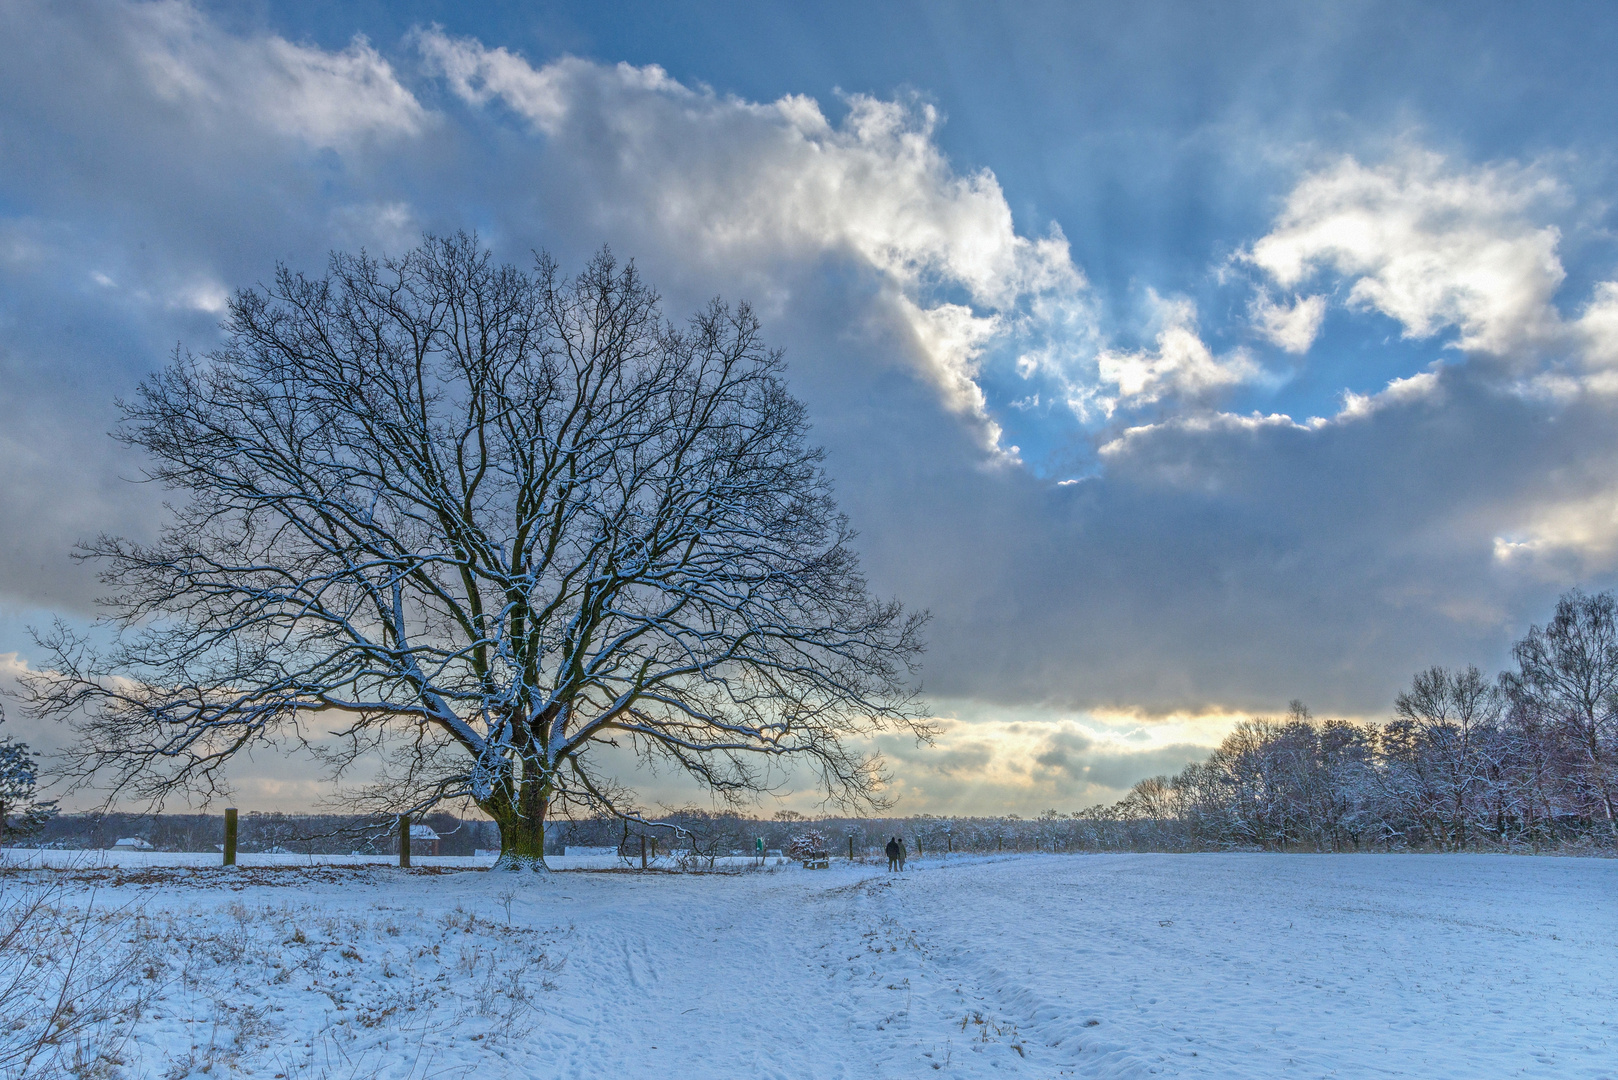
{"points": [[132, 843], [423, 840]]}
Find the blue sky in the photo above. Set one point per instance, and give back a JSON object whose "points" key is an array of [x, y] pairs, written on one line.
{"points": [[1183, 359]]}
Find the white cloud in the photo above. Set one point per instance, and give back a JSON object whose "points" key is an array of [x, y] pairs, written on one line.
{"points": [[1213, 425], [1425, 385], [1182, 365], [998, 759], [1428, 245], [733, 181], [478, 74], [1293, 326], [205, 296], [954, 338], [1413, 388], [1578, 533], [1439, 247], [1597, 329], [327, 99], [385, 226]]}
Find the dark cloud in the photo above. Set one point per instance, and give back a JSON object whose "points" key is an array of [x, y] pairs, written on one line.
{"points": [[1075, 758], [1066, 752]]}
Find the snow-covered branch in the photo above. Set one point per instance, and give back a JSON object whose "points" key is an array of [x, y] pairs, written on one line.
{"points": [[519, 511]]}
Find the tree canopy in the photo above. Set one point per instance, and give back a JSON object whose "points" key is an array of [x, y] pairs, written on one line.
{"points": [[489, 519]]}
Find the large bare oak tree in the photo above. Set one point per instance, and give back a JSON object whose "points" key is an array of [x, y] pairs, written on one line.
{"points": [[491, 518]]}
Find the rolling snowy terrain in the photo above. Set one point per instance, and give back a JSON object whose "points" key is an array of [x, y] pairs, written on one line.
{"points": [[1238, 965]]}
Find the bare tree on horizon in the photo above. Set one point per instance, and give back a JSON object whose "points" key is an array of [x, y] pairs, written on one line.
{"points": [[1567, 679], [487, 519]]}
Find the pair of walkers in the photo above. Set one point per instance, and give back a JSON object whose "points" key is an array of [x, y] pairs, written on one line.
{"points": [[896, 854]]}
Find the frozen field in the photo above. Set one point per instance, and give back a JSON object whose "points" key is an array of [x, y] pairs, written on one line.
{"points": [[1099, 965], [132, 860]]}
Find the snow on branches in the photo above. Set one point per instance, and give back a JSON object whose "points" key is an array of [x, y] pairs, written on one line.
{"points": [[489, 518], [809, 845]]}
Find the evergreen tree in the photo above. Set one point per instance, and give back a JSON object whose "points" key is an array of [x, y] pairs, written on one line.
{"points": [[22, 812]]}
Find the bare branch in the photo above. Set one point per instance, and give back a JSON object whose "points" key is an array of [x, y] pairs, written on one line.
{"points": [[501, 515]]}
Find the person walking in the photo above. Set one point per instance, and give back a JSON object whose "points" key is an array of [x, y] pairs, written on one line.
{"points": [[893, 850], [902, 852]]}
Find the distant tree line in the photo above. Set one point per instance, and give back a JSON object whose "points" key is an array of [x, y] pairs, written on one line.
{"points": [[1527, 760], [299, 834], [698, 832], [1524, 761]]}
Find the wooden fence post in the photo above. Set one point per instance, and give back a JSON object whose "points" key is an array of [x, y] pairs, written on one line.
{"points": [[230, 836], [850, 849], [643, 851], [404, 840]]}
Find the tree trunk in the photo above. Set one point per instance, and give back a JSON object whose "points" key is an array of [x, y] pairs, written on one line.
{"points": [[1599, 768], [520, 816]]}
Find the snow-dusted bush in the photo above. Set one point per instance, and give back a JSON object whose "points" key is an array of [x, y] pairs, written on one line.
{"points": [[810, 844]]}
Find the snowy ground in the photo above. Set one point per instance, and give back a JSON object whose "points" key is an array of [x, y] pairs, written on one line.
{"points": [[1039, 966]]}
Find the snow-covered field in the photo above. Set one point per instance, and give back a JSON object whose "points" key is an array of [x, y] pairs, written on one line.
{"points": [[129, 859], [1040, 966]]}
